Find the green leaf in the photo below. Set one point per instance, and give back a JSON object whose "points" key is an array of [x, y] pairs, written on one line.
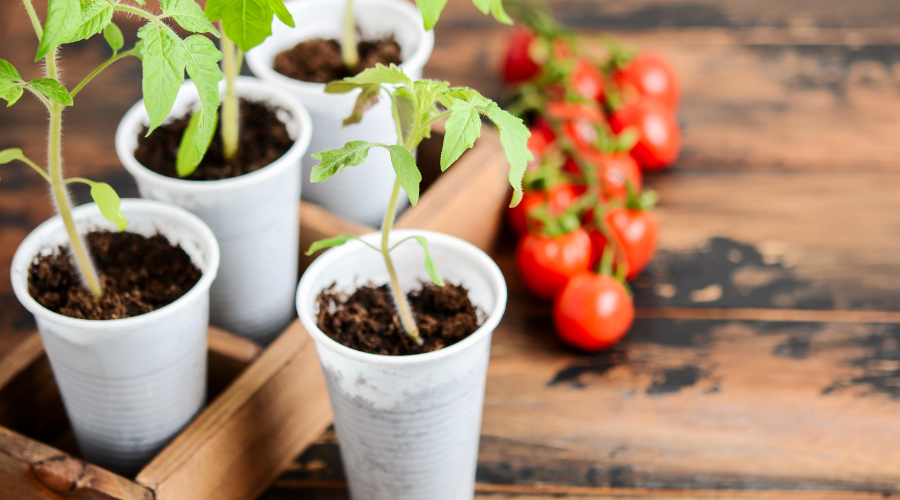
{"points": [[334, 242], [333, 161], [380, 74], [514, 139], [406, 109], [188, 15], [430, 268], [203, 67], [163, 60], [483, 5], [113, 36], [187, 159], [95, 16], [281, 11], [11, 154], [52, 89], [8, 71], [365, 100], [247, 22], [109, 204], [463, 127], [407, 171], [63, 22], [431, 11], [499, 13], [10, 86]]}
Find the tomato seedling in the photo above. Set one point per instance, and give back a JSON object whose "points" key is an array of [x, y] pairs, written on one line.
{"points": [[416, 106], [164, 55]]}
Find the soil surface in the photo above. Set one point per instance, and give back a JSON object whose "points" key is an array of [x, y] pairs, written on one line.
{"points": [[263, 139], [319, 60], [367, 320], [138, 275]]}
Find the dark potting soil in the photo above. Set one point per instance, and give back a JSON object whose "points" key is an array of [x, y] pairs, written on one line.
{"points": [[138, 275], [263, 139], [319, 60], [367, 319]]}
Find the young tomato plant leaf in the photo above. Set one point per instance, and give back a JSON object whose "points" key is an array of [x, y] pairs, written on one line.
{"points": [[514, 139], [431, 11], [188, 15], [247, 22], [52, 89], [95, 16], [187, 159], [203, 67], [407, 171], [109, 204], [335, 242], [333, 161], [367, 98], [113, 36], [430, 268], [162, 55], [10, 83], [463, 127], [63, 21], [11, 154]]}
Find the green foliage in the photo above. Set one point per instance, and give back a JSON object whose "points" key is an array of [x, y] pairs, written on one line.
{"points": [[431, 10], [52, 89], [108, 202], [334, 242], [416, 106], [11, 154], [10, 83], [247, 22], [113, 36], [63, 19], [188, 15], [430, 268], [187, 160], [407, 171]]}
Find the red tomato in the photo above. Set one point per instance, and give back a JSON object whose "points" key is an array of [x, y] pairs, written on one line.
{"points": [[559, 197], [613, 169], [587, 80], [659, 138], [592, 311], [581, 133], [653, 78], [518, 65], [636, 233], [540, 140], [571, 111], [545, 264]]}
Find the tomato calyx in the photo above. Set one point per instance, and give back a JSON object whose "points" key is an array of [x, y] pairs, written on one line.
{"points": [[646, 200], [542, 222]]}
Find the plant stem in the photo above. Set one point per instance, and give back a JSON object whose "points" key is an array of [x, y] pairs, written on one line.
{"points": [[230, 109], [406, 317], [34, 18], [348, 43], [61, 197], [97, 71]]}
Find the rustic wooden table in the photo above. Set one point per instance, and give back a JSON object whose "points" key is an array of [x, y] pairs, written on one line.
{"points": [[766, 356]]}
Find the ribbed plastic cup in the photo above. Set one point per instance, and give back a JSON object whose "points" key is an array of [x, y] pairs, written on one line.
{"points": [[128, 385], [254, 216], [408, 426], [359, 193]]}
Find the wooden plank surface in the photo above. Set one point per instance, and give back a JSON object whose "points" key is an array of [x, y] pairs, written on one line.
{"points": [[767, 354]]}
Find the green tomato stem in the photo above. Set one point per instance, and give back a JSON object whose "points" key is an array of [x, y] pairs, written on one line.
{"points": [[406, 317], [348, 43], [34, 19], [230, 108], [97, 71], [61, 197]]}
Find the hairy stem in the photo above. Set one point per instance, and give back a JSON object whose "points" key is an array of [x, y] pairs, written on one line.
{"points": [[61, 197], [35, 22], [348, 42], [97, 71], [406, 317], [230, 109]]}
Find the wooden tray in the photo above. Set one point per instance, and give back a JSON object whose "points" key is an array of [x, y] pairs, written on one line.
{"points": [[266, 406]]}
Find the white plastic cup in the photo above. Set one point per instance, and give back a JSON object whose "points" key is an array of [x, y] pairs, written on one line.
{"points": [[359, 193], [128, 385], [254, 216], [408, 425]]}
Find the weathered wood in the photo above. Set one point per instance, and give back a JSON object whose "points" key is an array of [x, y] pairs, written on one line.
{"points": [[239, 444], [32, 471]]}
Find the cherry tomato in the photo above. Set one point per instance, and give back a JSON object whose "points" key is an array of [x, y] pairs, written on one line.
{"points": [[659, 138], [571, 111], [592, 311], [518, 65], [545, 264], [541, 138], [587, 80], [636, 233], [653, 78], [559, 197], [614, 169]]}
